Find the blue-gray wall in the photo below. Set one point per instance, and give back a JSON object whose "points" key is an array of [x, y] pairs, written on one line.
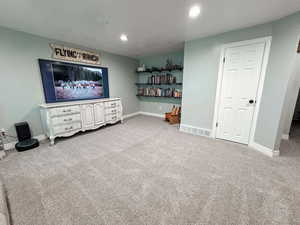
{"points": [[283, 53], [292, 102], [21, 88], [159, 105], [201, 61]]}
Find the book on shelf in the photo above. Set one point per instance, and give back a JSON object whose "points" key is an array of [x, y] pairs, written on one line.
{"points": [[159, 92], [162, 79]]}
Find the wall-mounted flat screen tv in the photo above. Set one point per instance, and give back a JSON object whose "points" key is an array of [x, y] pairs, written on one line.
{"points": [[70, 82]]}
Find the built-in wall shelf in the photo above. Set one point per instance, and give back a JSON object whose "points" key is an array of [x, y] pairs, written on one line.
{"points": [[160, 70], [160, 83], [158, 96], [146, 84]]}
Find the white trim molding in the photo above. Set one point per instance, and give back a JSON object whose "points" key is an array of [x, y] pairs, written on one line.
{"points": [[152, 114], [267, 41], [286, 137], [131, 115], [145, 114], [265, 150], [11, 145], [195, 130]]}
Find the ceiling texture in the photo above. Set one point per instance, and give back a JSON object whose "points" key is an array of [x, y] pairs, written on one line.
{"points": [[152, 26]]}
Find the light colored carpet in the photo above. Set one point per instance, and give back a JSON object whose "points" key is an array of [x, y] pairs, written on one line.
{"points": [[147, 172]]}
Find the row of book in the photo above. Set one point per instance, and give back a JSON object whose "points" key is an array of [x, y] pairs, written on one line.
{"points": [[162, 79], [160, 92]]}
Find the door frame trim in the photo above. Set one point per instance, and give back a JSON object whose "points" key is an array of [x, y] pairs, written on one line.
{"points": [[267, 41]]}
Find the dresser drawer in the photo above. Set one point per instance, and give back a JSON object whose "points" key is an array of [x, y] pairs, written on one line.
{"points": [[66, 128], [112, 110], [66, 119], [112, 117], [112, 104], [65, 110]]}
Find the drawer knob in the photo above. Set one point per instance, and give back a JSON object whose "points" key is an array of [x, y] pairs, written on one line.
{"points": [[69, 128]]}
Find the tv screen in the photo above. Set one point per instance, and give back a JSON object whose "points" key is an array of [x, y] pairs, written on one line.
{"points": [[69, 82]]}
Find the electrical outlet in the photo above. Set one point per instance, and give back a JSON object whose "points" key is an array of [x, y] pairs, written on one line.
{"points": [[3, 132], [160, 107]]}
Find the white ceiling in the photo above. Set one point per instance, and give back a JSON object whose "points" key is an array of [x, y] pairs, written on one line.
{"points": [[152, 26]]}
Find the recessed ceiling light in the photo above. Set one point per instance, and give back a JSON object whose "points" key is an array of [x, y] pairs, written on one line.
{"points": [[194, 11], [123, 37]]}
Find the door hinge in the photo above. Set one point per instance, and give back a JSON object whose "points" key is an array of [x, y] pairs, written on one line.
{"points": [[217, 124], [224, 59]]}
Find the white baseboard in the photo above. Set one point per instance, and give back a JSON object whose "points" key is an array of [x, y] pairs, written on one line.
{"points": [[131, 115], [265, 150], [285, 136], [195, 130], [152, 114], [11, 145]]}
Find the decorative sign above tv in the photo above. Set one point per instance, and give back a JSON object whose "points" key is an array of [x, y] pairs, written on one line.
{"points": [[69, 82], [74, 54]]}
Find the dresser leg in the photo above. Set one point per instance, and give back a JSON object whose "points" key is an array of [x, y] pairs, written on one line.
{"points": [[51, 141]]}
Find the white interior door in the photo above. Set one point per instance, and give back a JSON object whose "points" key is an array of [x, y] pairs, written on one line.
{"points": [[240, 80]]}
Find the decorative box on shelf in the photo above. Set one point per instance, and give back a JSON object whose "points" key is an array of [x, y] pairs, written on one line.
{"points": [[163, 69]]}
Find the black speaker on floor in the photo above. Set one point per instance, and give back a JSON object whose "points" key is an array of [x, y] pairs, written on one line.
{"points": [[26, 142]]}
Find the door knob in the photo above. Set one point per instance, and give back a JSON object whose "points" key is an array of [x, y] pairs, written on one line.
{"points": [[251, 101]]}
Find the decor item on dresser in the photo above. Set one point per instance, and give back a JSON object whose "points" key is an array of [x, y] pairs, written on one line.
{"points": [[25, 139], [66, 119]]}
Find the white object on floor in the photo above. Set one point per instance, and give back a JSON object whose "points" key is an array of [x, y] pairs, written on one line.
{"points": [[285, 136], [2, 155], [68, 118]]}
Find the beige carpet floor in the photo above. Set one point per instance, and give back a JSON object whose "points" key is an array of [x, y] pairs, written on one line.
{"points": [[146, 172]]}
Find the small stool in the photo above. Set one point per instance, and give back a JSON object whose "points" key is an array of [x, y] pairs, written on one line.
{"points": [[174, 116]]}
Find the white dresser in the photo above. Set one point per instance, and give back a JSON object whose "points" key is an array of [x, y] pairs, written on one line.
{"points": [[66, 119]]}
